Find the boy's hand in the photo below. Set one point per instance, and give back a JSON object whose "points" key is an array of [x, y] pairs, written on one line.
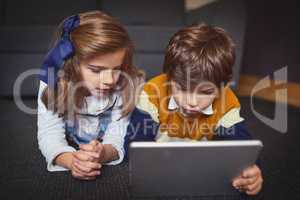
{"points": [[250, 181], [82, 166], [95, 149]]}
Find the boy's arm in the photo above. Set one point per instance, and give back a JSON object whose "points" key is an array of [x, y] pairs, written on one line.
{"points": [[144, 104], [144, 122], [232, 127]]}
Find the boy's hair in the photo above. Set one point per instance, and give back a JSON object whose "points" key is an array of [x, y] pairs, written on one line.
{"points": [[97, 33], [199, 53]]}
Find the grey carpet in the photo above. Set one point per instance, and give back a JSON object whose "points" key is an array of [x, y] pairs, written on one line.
{"points": [[24, 176]]}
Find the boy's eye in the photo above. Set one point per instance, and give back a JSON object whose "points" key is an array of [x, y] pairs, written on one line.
{"points": [[207, 92]]}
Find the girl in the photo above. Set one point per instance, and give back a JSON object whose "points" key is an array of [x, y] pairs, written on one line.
{"points": [[86, 95]]}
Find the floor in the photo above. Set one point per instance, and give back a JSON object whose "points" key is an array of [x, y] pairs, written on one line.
{"points": [[24, 176]]}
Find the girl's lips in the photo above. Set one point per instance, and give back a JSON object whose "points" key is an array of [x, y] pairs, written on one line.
{"points": [[102, 92], [102, 89], [98, 91]]}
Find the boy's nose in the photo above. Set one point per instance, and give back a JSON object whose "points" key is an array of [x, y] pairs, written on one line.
{"points": [[192, 101]]}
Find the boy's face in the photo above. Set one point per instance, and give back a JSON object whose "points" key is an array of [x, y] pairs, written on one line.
{"points": [[191, 103]]}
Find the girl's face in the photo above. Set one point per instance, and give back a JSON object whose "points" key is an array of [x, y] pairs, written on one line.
{"points": [[191, 103], [101, 73]]}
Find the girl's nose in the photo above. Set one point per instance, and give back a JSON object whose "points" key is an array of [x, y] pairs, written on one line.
{"points": [[107, 77]]}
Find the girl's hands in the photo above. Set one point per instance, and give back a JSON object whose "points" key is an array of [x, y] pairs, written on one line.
{"points": [[83, 166], [250, 181], [86, 161], [95, 149]]}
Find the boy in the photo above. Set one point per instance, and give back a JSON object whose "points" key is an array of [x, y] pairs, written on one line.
{"points": [[191, 100]]}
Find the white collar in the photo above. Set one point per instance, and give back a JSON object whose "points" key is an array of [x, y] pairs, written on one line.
{"points": [[96, 105], [173, 106]]}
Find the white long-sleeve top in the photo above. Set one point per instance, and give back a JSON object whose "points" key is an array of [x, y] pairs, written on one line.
{"points": [[91, 123]]}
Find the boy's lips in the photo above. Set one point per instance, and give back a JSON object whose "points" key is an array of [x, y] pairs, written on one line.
{"points": [[191, 110]]}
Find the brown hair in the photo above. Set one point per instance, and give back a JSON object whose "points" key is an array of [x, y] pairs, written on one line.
{"points": [[97, 33], [199, 53]]}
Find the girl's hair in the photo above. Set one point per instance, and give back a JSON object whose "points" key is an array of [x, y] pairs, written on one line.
{"points": [[97, 33]]}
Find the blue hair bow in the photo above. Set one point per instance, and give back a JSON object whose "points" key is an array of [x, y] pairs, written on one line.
{"points": [[63, 50]]}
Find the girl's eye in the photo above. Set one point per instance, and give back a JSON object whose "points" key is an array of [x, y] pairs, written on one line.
{"points": [[116, 71], [97, 71]]}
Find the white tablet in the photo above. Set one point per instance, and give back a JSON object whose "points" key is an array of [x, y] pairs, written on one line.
{"points": [[189, 168]]}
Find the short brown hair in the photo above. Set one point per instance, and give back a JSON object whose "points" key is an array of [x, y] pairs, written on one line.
{"points": [[199, 53]]}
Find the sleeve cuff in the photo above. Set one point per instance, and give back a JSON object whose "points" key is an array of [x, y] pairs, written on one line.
{"points": [[51, 167], [121, 156]]}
